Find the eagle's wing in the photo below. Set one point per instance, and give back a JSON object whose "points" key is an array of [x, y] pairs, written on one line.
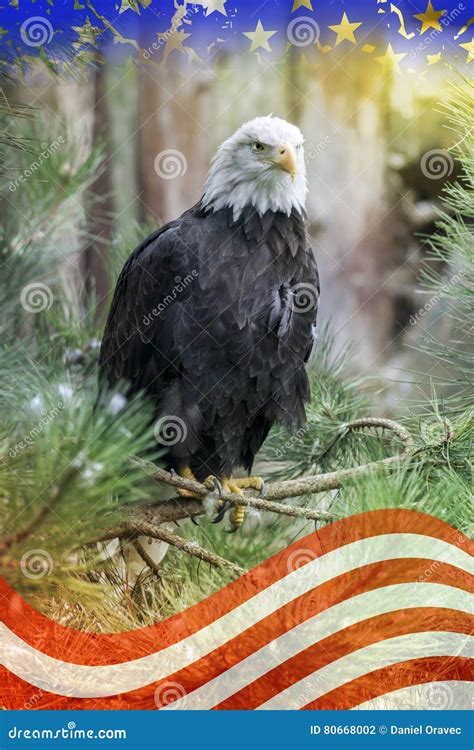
{"points": [[138, 346]]}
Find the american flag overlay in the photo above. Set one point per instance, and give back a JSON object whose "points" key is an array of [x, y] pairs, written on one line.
{"points": [[375, 610]]}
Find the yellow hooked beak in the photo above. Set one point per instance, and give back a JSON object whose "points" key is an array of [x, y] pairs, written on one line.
{"points": [[285, 157]]}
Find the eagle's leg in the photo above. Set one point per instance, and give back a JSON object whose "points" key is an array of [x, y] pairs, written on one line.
{"points": [[237, 514], [186, 473], [234, 486]]}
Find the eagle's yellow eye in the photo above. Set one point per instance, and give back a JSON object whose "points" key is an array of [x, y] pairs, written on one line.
{"points": [[257, 146]]}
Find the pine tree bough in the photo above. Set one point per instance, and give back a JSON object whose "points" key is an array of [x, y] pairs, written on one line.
{"points": [[147, 519], [294, 487]]}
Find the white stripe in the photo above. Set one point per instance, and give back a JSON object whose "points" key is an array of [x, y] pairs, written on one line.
{"points": [[85, 681], [375, 656], [452, 695], [322, 625]]}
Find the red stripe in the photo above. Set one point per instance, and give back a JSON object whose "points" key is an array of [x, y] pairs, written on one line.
{"points": [[86, 648], [338, 589], [395, 677], [17, 694], [344, 642]]}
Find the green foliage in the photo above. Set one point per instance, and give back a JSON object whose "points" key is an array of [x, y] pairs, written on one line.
{"points": [[41, 195], [448, 274], [64, 474]]}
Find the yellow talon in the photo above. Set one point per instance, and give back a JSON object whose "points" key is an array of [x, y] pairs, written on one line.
{"points": [[237, 516], [250, 483], [186, 473], [235, 487]]}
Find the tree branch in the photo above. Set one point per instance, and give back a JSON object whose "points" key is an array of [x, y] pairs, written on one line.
{"points": [[294, 487], [191, 548], [146, 520]]}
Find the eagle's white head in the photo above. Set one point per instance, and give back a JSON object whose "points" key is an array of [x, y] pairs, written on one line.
{"points": [[261, 165]]}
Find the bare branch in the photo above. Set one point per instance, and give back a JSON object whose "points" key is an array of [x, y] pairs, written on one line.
{"points": [[147, 520], [147, 559], [158, 532], [294, 487]]}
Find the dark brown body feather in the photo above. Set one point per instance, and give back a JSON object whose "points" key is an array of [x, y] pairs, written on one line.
{"points": [[203, 319]]}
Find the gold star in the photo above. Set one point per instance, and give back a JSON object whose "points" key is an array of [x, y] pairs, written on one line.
{"points": [[173, 40], [429, 19], [301, 4], [345, 30], [259, 37], [470, 49], [433, 59], [390, 60], [215, 6], [87, 34]]}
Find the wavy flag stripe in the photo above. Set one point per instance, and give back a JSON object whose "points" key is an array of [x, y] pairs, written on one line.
{"points": [[365, 607]]}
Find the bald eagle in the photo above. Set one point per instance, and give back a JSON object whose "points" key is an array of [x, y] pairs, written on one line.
{"points": [[214, 314]]}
